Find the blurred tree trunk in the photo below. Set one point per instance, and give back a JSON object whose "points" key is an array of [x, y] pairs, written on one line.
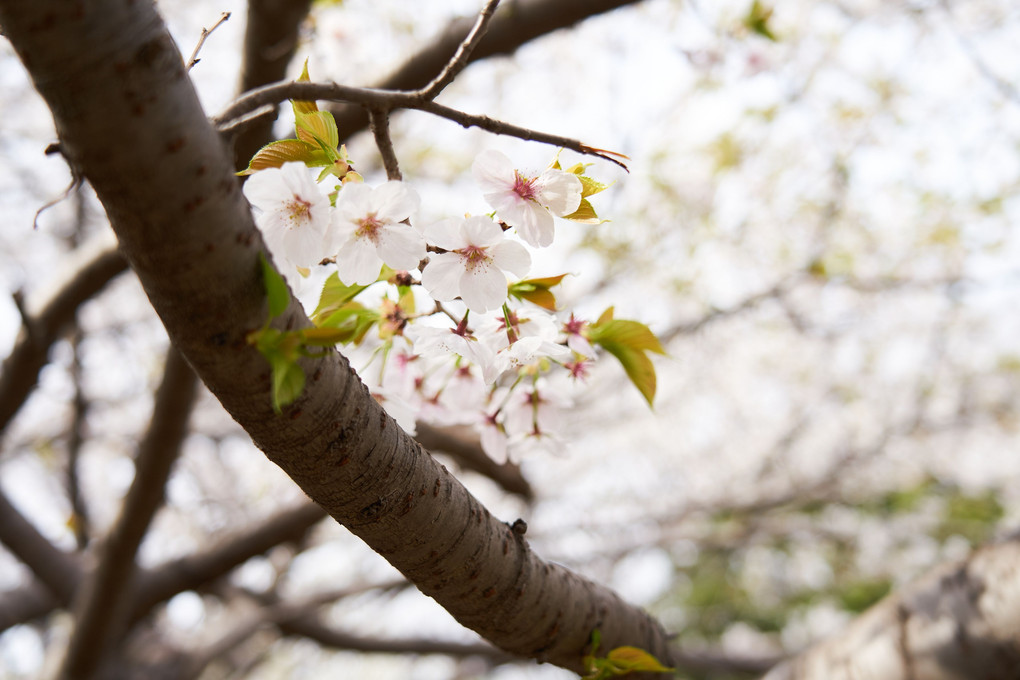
{"points": [[960, 622]]}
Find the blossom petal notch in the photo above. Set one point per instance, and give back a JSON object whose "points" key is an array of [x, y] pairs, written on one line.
{"points": [[524, 202], [475, 263], [368, 224], [293, 213]]}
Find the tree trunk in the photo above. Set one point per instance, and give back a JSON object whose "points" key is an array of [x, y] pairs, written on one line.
{"points": [[960, 622], [129, 121]]}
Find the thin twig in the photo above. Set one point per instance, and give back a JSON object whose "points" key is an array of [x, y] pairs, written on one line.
{"points": [[390, 100], [379, 121], [201, 40], [463, 54], [498, 127], [75, 443]]}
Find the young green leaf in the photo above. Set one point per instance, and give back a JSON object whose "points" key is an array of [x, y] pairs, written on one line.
{"points": [[633, 659], [301, 107], [288, 380], [318, 128], [350, 322], [335, 294], [537, 291], [276, 288], [631, 333], [590, 187], [585, 214], [629, 341], [275, 154], [757, 20]]}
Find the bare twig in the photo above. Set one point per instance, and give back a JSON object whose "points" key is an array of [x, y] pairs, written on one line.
{"points": [[75, 439], [390, 100], [380, 124], [463, 53], [498, 127], [201, 40]]}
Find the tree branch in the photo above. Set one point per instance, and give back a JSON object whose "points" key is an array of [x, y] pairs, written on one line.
{"points": [[206, 32], [387, 100], [467, 453], [270, 40], [103, 607], [380, 124], [129, 118], [516, 24], [187, 573], [463, 54], [89, 270], [56, 570]]}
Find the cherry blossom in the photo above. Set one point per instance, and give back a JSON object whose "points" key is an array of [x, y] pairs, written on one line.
{"points": [[522, 353], [494, 332], [368, 224], [573, 329], [293, 213], [432, 342], [473, 268], [524, 202], [533, 418]]}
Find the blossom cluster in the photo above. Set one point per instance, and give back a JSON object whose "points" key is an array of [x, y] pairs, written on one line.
{"points": [[487, 360]]}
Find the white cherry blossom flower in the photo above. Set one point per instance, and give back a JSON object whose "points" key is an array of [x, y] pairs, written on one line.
{"points": [[293, 213], [369, 229], [524, 202], [532, 421], [492, 437], [574, 329], [439, 343], [474, 267], [525, 352], [523, 323]]}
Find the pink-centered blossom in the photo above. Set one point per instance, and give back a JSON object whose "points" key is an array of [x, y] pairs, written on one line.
{"points": [[368, 225], [473, 268], [438, 343], [292, 213], [525, 352], [526, 202]]}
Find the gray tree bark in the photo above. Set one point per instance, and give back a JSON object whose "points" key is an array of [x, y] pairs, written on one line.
{"points": [[129, 121]]}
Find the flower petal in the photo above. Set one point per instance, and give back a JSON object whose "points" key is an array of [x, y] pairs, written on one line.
{"points": [[400, 246], [533, 223], [493, 171], [395, 201], [512, 257], [357, 263], [442, 275], [559, 191], [483, 288], [481, 231], [446, 234]]}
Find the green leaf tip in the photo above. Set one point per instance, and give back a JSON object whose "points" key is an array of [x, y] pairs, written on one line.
{"points": [[629, 341], [277, 291]]}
